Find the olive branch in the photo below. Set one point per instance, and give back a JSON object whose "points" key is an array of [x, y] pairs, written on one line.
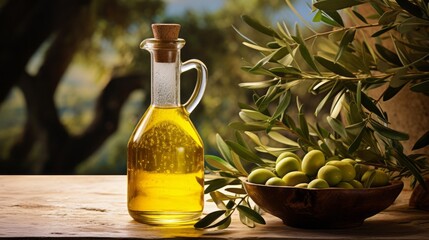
{"points": [[339, 65]]}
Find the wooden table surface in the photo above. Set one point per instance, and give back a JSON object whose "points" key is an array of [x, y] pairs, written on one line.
{"points": [[95, 207]]}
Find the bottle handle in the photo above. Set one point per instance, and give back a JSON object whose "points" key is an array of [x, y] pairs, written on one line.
{"points": [[200, 86]]}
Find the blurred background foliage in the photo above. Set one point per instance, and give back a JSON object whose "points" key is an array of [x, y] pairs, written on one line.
{"points": [[74, 82]]}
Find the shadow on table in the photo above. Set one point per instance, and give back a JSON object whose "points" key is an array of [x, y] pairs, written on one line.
{"points": [[385, 229]]}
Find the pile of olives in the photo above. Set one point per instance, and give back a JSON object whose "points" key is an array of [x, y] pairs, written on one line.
{"points": [[314, 171]]}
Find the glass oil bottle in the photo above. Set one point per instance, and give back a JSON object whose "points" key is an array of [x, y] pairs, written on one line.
{"points": [[165, 165]]}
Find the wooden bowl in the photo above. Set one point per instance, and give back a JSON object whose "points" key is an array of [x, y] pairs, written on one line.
{"points": [[322, 208]]}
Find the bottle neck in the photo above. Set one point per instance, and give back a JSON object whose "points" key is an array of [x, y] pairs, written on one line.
{"points": [[165, 70], [165, 83]]}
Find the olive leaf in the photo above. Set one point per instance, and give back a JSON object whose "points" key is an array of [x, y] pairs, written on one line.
{"points": [[223, 148], [272, 93], [246, 221], [336, 36], [377, 8], [259, 27], [354, 114], [286, 70], [302, 121], [383, 30], [281, 138], [218, 199], [412, 8], [334, 67], [304, 50], [366, 156], [322, 131], [284, 102], [318, 16], [257, 47], [357, 141], [401, 51], [422, 87], [274, 45], [243, 36], [245, 153], [258, 85], [254, 138], [222, 197], [359, 93], [390, 92], [411, 166], [237, 163], [413, 46], [325, 99], [347, 38], [388, 17], [223, 223], [333, 5], [258, 71], [282, 27], [337, 104], [248, 126], [326, 149], [337, 126], [209, 219], [370, 105], [218, 183], [334, 15], [230, 204], [274, 56], [288, 121], [239, 138], [367, 57], [388, 55], [328, 20], [321, 86], [422, 142], [358, 15], [397, 80], [388, 132], [219, 163], [251, 214], [236, 190], [254, 115], [266, 149]]}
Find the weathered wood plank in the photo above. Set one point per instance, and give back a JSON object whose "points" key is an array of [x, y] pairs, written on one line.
{"points": [[95, 206]]}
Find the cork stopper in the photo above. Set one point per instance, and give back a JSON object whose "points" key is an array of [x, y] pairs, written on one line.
{"points": [[165, 33]]}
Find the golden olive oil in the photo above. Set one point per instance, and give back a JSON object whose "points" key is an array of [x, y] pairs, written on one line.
{"points": [[165, 168]]}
